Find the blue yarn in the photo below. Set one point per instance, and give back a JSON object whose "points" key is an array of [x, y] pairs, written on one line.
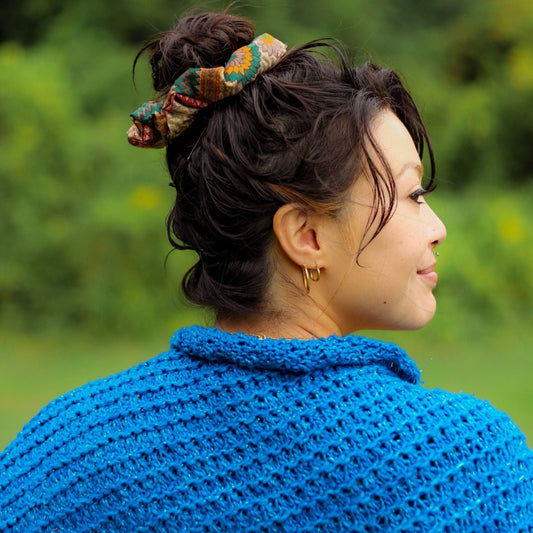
{"points": [[233, 433]]}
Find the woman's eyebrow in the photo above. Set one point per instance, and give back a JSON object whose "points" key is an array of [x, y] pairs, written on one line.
{"points": [[411, 164]]}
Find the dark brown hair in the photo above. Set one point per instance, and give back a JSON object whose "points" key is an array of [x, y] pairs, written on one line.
{"points": [[299, 133]]}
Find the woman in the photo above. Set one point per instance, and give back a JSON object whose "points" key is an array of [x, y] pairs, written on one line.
{"points": [[299, 184]]}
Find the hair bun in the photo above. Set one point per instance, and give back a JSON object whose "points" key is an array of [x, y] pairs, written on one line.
{"points": [[205, 40]]}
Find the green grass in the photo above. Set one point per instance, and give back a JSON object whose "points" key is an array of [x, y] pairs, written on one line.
{"points": [[496, 365]]}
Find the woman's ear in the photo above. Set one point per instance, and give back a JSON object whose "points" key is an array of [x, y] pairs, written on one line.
{"points": [[298, 235]]}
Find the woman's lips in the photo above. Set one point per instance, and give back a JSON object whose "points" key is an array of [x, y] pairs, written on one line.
{"points": [[429, 274]]}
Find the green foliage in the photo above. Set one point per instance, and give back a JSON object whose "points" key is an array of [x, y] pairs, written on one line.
{"points": [[485, 263], [82, 213]]}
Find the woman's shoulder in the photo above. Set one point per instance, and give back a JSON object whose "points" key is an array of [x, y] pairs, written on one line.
{"points": [[79, 428], [92, 412], [446, 424]]}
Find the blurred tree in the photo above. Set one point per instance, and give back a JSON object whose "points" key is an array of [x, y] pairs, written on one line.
{"points": [[81, 212], [32, 21], [26, 21]]}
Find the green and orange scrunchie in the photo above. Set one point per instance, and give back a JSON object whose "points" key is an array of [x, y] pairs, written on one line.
{"points": [[157, 122]]}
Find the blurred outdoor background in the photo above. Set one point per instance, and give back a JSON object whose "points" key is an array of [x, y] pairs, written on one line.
{"points": [[86, 287]]}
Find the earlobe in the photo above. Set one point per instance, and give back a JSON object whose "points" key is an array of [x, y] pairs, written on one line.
{"points": [[297, 234]]}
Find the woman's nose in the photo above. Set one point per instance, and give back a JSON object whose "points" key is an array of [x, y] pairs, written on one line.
{"points": [[438, 230]]}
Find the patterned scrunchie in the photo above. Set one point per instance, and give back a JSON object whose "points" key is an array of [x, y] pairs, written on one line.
{"points": [[157, 122]]}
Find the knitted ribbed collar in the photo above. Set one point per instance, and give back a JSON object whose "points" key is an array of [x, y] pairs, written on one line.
{"points": [[292, 355]]}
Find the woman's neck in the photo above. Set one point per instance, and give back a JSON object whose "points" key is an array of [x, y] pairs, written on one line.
{"points": [[279, 327]]}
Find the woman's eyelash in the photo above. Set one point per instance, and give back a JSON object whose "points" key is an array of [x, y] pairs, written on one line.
{"points": [[419, 192]]}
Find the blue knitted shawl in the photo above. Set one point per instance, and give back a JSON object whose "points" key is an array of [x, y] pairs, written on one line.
{"points": [[233, 433]]}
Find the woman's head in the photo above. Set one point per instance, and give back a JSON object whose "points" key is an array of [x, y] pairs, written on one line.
{"points": [[299, 135]]}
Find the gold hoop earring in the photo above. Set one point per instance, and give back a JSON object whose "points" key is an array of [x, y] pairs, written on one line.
{"points": [[317, 275], [308, 276]]}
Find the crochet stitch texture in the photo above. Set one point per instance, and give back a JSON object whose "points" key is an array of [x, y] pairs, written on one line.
{"points": [[233, 433]]}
